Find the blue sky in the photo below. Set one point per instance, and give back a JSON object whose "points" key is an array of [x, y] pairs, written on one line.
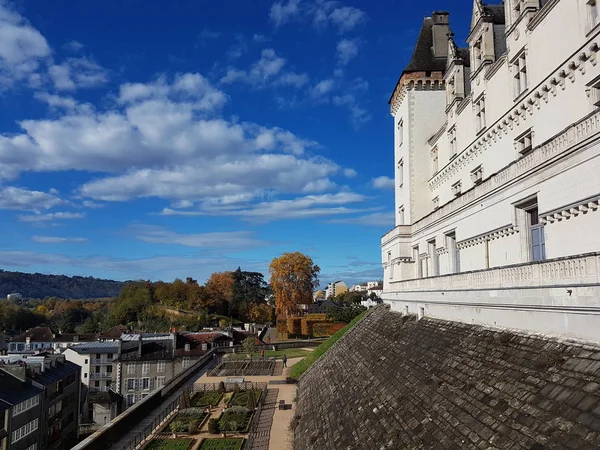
{"points": [[147, 139]]}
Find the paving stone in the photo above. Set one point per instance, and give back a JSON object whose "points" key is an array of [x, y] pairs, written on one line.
{"points": [[396, 383]]}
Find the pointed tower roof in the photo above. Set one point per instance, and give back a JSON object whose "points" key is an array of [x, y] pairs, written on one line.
{"points": [[423, 59]]}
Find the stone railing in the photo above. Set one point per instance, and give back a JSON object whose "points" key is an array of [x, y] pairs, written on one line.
{"points": [[572, 271]]}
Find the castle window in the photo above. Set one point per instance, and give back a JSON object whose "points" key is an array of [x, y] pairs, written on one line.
{"points": [[480, 114], [400, 132], [401, 215], [593, 13], [523, 143], [434, 160], [477, 53], [452, 142], [477, 174], [593, 92], [456, 188], [400, 172], [519, 67]]}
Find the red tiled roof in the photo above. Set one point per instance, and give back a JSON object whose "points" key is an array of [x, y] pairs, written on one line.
{"points": [[38, 334]]}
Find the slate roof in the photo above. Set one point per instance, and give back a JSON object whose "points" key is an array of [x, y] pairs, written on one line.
{"points": [[56, 373], [496, 12], [422, 58], [37, 334], [13, 391], [95, 347], [114, 332], [151, 350], [396, 383], [75, 337]]}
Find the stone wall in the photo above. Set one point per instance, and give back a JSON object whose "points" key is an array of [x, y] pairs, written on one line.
{"points": [[396, 383]]}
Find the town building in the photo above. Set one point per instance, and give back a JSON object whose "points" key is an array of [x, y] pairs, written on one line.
{"points": [[39, 402], [42, 339], [496, 150], [149, 361], [335, 288]]}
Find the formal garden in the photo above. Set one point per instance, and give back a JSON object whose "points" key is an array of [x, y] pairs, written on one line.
{"points": [[201, 399], [188, 420], [171, 444], [222, 444]]}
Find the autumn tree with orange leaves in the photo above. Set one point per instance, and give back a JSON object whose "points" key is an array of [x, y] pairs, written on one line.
{"points": [[294, 277]]}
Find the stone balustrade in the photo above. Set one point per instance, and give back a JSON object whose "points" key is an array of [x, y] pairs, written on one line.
{"points": [[577, 270]]}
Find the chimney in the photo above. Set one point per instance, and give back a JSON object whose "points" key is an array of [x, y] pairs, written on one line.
{"points": [[440, 30], [28, 339]]}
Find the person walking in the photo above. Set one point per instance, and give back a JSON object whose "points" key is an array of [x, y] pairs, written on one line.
{"points": [[284, 359]]}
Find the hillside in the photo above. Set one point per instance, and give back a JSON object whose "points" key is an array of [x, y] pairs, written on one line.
{"points": [[37, 285]]}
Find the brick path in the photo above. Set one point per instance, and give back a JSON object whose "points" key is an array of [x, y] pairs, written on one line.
{"points": [[262, 432]]}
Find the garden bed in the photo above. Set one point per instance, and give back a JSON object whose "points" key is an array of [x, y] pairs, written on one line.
{"points": [[236, 419], [206, 399], [188, 421], [222, 444], [172, 444], [243, 398]]}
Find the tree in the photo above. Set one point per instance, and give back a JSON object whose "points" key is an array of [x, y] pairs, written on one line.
{"points": [[345, 314], [349, 297], [294, 277], [261, 313], [249, 346], [219, 290]]}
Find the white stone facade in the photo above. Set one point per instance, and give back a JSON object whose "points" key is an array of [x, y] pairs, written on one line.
{"points": [[497, 173]]}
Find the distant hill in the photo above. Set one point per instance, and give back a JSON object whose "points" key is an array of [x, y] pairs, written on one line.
{"points": [[37, 285]]}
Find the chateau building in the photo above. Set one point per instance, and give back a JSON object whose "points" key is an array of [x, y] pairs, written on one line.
{"points": [[496, 153]]}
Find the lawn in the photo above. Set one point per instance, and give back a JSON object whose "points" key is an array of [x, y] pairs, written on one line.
{"points": [[243, 398], [206, 398], [173, 444], [290, 353], [302, 366], [222, 444]]}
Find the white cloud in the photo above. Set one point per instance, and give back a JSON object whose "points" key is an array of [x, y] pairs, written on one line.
{"points": [[208, 34], [309, 206], [49, 217], [346, 18], [376, 219], [57, 240], [322, 13], [282, 12], [92, 205], [320, 90], [69, 104], [22, 47], [292, 79], [347, 50], [254, 174], [77, 73], [24, 199], [260, 38], [73, 46], [235, 240], [358, 115], [383, 182], [350, 173], [260, 73]]}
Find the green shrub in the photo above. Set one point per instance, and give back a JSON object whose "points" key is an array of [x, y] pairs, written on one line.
{"points": [[222, 387], [213, 426], [179, 426]]}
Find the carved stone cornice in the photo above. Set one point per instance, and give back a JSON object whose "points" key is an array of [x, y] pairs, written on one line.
{"points": [[489, 236], [526, 107], [573, 210]]}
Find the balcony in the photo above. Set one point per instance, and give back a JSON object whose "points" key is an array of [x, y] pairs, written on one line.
{"points": [[99, 361], [101, 376]]}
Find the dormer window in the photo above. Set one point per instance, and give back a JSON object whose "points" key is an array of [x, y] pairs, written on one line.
{"points": [[477, 174], [456, 188]]}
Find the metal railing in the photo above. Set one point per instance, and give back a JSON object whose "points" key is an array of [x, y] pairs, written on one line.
{"points": [[256, 419]]}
